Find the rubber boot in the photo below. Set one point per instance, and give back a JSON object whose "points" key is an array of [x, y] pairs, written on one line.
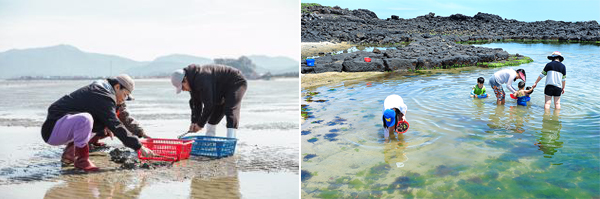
{"points": [[82, 159], [230, 132], [68, 156], [95, 141], [211, 130]]}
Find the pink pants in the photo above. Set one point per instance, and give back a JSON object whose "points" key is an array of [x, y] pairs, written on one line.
{"points": [[75, 128]]}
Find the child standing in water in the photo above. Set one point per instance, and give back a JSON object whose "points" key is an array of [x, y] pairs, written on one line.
{"points": [[523, 94], [479, 89]]}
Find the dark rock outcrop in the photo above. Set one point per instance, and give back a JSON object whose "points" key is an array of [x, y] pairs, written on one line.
{"points": [[420, 54], [322, 23], [432, 38]]}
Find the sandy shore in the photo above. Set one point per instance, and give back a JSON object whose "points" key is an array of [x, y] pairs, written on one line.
{"points": [[330, 78], [314, 48]]}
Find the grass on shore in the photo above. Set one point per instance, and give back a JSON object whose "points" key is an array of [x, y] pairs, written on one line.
{"points": [[305, 5], [512, 61]]}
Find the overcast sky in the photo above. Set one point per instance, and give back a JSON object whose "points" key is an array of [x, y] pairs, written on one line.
{"points": [[522, 10], [145, 29]]}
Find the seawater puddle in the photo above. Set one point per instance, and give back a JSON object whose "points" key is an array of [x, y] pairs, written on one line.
{"points": [[457, 146]]}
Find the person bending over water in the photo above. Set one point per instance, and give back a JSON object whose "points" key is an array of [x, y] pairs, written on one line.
{"points": [[394, 112], [505, 76]]}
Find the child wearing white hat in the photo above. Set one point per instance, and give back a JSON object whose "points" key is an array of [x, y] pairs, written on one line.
{"points": [[394, 111]]}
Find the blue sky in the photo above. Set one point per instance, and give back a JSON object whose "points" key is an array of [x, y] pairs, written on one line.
{"points": [[145, 29], [522, 10]]}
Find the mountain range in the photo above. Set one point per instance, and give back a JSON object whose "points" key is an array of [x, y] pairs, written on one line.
{"points": [[66, 60]]}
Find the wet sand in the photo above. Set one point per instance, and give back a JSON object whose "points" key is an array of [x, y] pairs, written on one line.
{"points": [[266, 152], [314, 48], [331, 78], [30, 163]]}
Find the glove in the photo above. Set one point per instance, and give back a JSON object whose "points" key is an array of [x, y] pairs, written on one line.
{"points": [[183, 135], [146, 152]]}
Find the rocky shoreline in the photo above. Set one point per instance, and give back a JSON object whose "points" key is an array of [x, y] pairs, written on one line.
{"points": [[420, 54], [433, 39]]}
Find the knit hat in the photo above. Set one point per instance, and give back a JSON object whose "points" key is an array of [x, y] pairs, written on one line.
{"points": [[556, 54]]}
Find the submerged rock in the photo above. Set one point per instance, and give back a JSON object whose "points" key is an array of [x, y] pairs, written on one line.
{"points": [[305, 175]]}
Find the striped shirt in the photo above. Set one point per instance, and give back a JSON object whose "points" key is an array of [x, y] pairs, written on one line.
{"points": [[556, 72]]}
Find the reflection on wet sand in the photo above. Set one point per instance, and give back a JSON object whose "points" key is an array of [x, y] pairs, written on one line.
{"points": [[550, 133], [226, 185], [209, 179], [97, 186]]}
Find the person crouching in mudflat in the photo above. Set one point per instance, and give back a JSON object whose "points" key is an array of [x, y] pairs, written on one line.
{"points": [[73, 117]]}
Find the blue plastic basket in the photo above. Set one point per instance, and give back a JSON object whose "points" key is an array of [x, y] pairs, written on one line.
{"points": [[211, 146], [310, 62]]}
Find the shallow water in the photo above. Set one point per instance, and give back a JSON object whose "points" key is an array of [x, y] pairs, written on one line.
{"points": [[457, 146], [266, 153]]}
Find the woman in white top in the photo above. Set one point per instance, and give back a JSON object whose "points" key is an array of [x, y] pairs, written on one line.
{"points": [[505, 76], [394, 111]]}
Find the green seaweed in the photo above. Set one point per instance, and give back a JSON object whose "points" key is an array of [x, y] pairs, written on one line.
{"points": [[356, 184], [330, 194]]}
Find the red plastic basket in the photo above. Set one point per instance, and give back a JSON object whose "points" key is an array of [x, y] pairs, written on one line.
{"points": [[167, 149]]}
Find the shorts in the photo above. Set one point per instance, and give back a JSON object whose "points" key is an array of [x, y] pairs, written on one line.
{"points": [[498, 90], [552, 90]]}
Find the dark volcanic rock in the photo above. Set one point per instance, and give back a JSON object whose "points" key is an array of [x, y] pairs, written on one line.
{"points": [[322, 23], [420, 54], [359, 65], [432, 38], [395, 64]]}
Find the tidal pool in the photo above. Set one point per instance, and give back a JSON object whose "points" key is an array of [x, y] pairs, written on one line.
{"points": [[457, 146]]}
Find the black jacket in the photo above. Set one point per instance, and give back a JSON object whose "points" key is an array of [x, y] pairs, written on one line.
{"points": [[208, 85], [98, 102]]}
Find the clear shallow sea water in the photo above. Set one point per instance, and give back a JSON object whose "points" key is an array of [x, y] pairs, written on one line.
{"points": [[457, 146]]}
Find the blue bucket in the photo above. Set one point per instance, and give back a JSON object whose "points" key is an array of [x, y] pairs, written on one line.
{"points": [[212, 146], [310, 62]]}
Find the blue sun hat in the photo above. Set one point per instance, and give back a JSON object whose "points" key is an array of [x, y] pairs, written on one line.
{"points": [[389, 116]]}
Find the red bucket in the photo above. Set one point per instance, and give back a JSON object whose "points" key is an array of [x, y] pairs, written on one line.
{"points": [[367, 59], [407, 126], [167, 149]]}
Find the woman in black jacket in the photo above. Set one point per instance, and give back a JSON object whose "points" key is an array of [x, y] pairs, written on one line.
{"points": [[72, 119]]}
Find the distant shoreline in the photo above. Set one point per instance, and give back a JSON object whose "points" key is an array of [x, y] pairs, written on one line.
{"points": [[293, 75]]}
